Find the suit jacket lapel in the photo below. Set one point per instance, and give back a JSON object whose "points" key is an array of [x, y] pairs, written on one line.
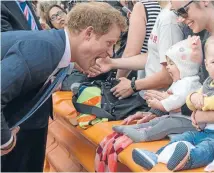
{"points": [[17, 13]]}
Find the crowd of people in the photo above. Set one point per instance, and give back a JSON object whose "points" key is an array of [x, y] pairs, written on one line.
{"points": [[168, 43]]}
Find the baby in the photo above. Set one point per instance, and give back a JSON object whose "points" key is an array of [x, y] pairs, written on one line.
{"points": [[184, 72]]}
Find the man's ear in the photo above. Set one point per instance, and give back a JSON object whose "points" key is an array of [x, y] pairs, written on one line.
{"points": [[88, 33]]}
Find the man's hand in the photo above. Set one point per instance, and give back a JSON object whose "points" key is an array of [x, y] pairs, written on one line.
{"points": [[10, 147], [123, 89], [150, 94], [197, 100], [142, 117]]}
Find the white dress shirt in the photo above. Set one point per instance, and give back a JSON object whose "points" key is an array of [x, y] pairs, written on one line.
{"points": [[66, 58]]}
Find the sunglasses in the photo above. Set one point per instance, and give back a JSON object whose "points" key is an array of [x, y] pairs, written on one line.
{"points": [[183, 12], [54, 16]]}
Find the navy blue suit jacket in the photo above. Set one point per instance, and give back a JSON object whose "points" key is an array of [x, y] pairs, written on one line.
{"points": [[27, 59]]}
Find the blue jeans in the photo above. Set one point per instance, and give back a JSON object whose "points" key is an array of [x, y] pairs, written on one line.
{"points": [[203, 153]]}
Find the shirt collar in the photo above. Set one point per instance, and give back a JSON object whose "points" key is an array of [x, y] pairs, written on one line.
{"points": [[66, 58]]}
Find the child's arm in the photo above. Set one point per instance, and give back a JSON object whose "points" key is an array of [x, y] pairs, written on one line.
{"points": [[180, 90], [159, 95], [174, 101]]}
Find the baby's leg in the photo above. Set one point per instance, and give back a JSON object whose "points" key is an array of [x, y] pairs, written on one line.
{"points": [[202, 154], [160, 129], [185, 158], [136, 132], [186, 136]]}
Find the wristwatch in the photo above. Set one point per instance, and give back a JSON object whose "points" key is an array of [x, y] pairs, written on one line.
{"points": [[133, 85]]}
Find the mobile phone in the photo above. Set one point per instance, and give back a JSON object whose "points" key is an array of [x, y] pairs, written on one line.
{"points": [[126, 10]]}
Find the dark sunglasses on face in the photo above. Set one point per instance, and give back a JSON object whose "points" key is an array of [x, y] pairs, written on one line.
{"points": [[54, 16], [182, 11]]}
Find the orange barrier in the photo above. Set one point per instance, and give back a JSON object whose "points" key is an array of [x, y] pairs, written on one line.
{"points": [[72, 149]]}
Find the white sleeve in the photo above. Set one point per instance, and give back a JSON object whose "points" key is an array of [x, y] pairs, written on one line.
{"points": [[169, 34], [7, 143], [180, 91]]}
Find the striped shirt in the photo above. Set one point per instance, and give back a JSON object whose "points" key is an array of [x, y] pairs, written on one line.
{"points": [[152, 9]]}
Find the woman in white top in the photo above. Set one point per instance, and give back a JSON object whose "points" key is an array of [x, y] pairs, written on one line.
{"points": [[141, 23]]}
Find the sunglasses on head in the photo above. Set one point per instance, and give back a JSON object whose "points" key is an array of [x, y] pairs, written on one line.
{"points": [[182, 11]]}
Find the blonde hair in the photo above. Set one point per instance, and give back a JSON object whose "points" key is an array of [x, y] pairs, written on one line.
{"points": [[101, 16], [209, 42]]}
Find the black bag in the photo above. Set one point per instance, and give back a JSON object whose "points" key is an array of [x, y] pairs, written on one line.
{"points": [[79, 77], [74, 77], [111, 107]]}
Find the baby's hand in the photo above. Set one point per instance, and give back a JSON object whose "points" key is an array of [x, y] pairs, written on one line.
{"points": [[154, 103], [197, 100], [150, 94]]}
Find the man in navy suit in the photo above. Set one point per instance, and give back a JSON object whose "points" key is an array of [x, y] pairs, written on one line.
{"points": [[29, 58], [13, 18]]}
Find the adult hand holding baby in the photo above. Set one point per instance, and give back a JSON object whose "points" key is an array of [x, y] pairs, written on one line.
{"points": [[198, 126], [197, 100]]}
